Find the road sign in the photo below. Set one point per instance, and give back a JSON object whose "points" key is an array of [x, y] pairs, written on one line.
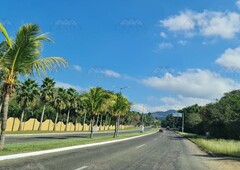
{"points": [[177, 114]]}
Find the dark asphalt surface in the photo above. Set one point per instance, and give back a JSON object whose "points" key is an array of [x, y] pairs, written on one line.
{"points": [[166, 151], [46, 137]]}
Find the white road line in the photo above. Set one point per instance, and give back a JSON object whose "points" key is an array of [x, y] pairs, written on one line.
{"points": [[82, 168], [155, 139], [140, 146]]}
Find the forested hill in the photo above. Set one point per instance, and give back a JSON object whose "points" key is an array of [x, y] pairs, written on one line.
{"points": [[160, 115]]}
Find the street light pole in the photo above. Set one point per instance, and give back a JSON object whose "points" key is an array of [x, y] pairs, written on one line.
{"points": [[118, 121]]}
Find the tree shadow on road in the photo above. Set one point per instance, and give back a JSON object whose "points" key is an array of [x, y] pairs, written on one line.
{"points": [[54, 137], [175, 138], [218, 157]]}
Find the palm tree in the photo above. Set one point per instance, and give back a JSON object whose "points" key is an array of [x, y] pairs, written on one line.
{"points": [[60, 103], [85, 110], [26, 94], [46, 96], [71, 102], [79, 109], [120, 108], [22, 57], [95, 100]]}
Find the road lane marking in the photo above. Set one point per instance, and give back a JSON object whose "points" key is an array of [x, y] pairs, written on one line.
{"points": [[155, 139], [82, 168], [140, 146]]}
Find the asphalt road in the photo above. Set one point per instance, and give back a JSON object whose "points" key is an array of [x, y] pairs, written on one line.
{"points": [[156, 151], [46, 137]]}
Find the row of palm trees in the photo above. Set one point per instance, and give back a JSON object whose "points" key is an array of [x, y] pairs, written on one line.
{"points": [[96, 102]]}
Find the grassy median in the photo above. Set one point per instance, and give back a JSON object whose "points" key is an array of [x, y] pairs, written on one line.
{"points": [[45, 131], [52, 144], [220, 147]]}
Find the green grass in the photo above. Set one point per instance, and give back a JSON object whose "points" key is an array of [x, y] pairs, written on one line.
{"points": [[220, 147], [45, 131], [38, 146]]}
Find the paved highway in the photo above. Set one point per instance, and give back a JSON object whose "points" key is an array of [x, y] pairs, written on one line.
{"points": [[46, 137], [157, 151]]}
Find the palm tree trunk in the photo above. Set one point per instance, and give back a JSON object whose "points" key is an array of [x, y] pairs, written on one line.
{"points": [[105, 123], [97, 120], [5, 102], [91, 124], [13, 123], [67, 119], [109, 122], [75, 127], [42, 115], [55, 123], [33, 124], [1, 106], [48, 125], [61, 126], [115, 131], [100, 126], [118, 123], [21, 120], [84, 120]]}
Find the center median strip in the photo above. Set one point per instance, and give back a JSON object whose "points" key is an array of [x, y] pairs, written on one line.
{"points": [[23, 155]]}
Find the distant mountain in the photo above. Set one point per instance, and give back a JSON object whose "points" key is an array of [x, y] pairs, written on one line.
{"points": [[160, 115]]}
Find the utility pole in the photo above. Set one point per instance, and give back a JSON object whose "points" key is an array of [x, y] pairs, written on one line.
{"points": [[182, 122], [142, 126]]}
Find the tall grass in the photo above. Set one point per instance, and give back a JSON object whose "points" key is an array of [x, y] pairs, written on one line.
{"points": [[216, 146]]}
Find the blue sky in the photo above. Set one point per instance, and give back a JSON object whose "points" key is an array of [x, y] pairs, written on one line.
{"points": [[169, 54]]}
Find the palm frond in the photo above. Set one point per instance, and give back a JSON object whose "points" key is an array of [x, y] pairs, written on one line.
{"points": [[43, 37], [44, 64], [5, 34]]}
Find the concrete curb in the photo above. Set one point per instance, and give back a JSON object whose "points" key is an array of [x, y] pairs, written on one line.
{"points": [[23, 155]]}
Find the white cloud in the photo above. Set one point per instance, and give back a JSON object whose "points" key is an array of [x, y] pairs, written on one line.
{"points": [[208, 23], [238, 4], [182, 22], [143, 108], [225, 25], [67, 85], [180, 101], [230, 59], [195, 83], [165, 45], [168, 103], [111, 73], [182, 42], [163, 35], [77, 68]]}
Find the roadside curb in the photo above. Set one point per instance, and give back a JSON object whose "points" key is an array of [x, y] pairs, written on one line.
{"points": [[203, 149], [29, 154]]}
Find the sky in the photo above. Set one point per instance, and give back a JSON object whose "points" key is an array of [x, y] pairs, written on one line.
{"points": [[165, 54]]}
